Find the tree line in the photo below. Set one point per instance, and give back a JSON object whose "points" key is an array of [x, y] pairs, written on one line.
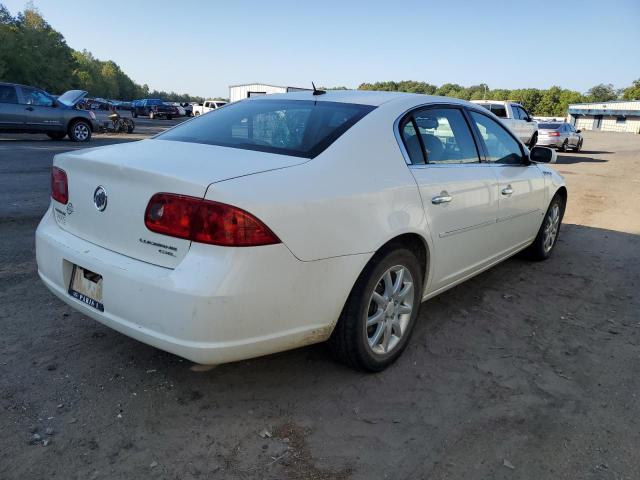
{"points": [[543, 102], [33, 53]]}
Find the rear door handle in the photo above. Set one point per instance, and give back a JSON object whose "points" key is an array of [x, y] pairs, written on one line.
{"points": [[508, 191], [444, 197]]}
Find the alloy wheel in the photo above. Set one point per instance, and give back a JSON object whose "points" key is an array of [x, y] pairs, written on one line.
{"points": [[551, 228], [389, 310], [81, 132]]}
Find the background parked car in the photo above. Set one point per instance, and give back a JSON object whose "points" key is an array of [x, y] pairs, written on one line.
{"points": [[207, 106], [514, 116], [188, 109], [179, 108], [561, 135], [153, 108], [26, 109]]}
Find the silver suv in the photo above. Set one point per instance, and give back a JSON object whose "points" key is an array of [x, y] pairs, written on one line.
{"points": [[26, 109]]}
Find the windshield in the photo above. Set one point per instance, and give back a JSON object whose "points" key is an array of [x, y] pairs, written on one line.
{"points": [[302, 128], [72, 97], [549, 126]]}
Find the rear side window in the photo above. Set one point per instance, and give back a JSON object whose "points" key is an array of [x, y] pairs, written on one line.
{"points": [[497, 109], [8, 94], [443, 136], [301, 128]]}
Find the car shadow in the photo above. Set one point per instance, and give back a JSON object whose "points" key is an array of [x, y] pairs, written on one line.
{"points": [[564, 159]]}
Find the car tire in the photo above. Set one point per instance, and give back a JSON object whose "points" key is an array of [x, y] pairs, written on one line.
{"points": [[80, 131], [152, 115], [56, 135], [563, 147], [534, 140], [549, 231], [384, 294], [197, 114], [134, 114], [169, 117], [578, 147]]}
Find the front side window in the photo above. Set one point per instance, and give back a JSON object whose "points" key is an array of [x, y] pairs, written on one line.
{"points": [[501, 146], [445, 136], [36, 97], [8, 94], [302, 128]]}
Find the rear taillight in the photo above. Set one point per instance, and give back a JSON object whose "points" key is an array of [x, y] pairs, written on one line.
{"points": [[59, 186], [205, 221], [553, 134]]}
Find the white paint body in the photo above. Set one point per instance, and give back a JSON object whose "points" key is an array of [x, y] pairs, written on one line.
{"points": [[523, 129], [213, 304], [207, 106]]}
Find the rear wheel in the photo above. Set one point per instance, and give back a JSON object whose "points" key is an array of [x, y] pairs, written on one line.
{"points": [[197, 114], [563, 147], [152, 115], [134, 114], [56, 135], [378, 318], [534, 140], [80, 131], [547, 237]]}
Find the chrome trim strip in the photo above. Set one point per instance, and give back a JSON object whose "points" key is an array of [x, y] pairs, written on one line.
{"points": [[511, 217], [466, 229]]}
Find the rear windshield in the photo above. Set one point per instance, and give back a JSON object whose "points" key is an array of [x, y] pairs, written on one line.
{"points": [[549, 126], [302, 128]]}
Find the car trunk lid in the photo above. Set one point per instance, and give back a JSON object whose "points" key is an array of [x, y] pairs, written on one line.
{"points": [[130, 174]]}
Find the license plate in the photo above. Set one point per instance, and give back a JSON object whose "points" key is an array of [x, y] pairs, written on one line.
{"points": [[86, 286]]}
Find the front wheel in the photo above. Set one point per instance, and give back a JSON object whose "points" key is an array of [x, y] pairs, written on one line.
{"points": [[547, 237], [378, 318], [563, 147], [578, 147], [80, 131]]}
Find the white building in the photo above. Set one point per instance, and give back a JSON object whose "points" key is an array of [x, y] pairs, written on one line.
{"points": [[239, 92], [615, 116]]}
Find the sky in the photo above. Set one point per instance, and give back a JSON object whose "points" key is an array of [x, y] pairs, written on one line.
{"points": [[202, 47]]}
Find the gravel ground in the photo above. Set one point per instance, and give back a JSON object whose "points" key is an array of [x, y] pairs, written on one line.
{"points": [[529, 370]]}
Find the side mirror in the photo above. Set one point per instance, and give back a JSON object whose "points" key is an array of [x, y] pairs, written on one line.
{"points": [[543, 155]]}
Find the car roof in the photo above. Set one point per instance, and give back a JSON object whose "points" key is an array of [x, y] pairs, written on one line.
{"points": [[362, 97]]}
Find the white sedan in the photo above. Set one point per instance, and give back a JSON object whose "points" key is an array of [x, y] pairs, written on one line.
{"points": [[286, 220]]}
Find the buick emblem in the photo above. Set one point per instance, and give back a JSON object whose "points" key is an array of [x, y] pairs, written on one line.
{"points": [[100, 198]]}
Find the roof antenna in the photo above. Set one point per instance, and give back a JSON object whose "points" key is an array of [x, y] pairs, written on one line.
{"points": [[316, 91]]}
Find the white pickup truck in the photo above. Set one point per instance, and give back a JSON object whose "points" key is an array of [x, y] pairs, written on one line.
{"points": [[514, 116], [207, 106]]}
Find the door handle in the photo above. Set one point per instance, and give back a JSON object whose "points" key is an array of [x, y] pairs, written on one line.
{"points": [[444, 197], [508, 191], [29, 108]]}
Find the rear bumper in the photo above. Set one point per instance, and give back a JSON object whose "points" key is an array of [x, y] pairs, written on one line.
{"points": [[219, 305], [549, 141]]}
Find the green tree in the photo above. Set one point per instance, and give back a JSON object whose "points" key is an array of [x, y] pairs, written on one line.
{"points": [[602, 93], [632, 92]]}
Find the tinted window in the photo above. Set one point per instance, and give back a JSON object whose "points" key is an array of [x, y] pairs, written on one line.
{"points": [[501, 146], [411, 142], [301, 128], [497, 109], [549, 126], [36, 97], [8, 94], [445, 136]]}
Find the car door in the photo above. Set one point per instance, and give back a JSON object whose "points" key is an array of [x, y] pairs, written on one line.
{"points": [[521, 185], [459, 193], [11, 112], [41, 112], [573, 136]]}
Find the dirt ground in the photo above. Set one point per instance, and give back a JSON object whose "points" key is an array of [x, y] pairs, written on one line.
{"points": [[528, 371]]}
